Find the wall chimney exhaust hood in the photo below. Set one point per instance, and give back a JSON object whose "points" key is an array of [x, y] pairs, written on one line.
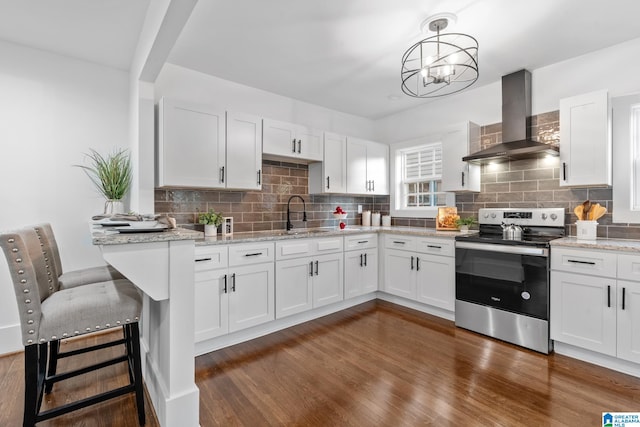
{"points": [[516, 125]]}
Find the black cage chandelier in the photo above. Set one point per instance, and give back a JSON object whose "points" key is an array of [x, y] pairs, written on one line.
{"points": [[442, 64]]}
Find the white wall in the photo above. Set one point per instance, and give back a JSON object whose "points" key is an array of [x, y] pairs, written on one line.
{"points": [[616, 68], [53, 109], [188, 85]]}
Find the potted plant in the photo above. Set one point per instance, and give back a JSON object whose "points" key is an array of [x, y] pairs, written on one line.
{"points": [[111, 175], [211, 221], [464, 223]]}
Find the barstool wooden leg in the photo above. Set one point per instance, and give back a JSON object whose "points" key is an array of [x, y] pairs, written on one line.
{"points": [[137, 371], [35, 371], [54, 349]]}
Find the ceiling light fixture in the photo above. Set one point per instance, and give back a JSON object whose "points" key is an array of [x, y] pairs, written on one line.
{"points": [[442, 64]]}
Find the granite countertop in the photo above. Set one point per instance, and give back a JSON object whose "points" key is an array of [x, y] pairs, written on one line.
{"points": [[104, 236], [600, 243], [274, 235]]}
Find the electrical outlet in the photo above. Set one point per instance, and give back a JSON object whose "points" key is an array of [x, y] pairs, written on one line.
{"points": [[359, 208]]}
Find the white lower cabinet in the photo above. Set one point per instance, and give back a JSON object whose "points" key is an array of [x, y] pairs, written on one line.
{"points": [[309, 274], [360, 265], [595, 301], [234, 288], [421, 269], [583, 311]]}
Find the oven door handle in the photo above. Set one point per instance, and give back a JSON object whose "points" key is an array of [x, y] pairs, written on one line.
{"points": [[507, 249]]}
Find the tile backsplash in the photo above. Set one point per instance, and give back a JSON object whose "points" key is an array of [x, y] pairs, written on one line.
{"points": [[522, 183], [267, 209]]}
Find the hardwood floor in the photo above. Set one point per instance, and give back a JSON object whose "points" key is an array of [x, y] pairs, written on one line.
{"points": [[376, 364]]}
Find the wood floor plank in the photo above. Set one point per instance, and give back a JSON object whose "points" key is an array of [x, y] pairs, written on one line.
{"points": [[376, 364]]}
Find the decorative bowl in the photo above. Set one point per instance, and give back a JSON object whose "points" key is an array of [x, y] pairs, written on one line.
{"points": [[339, 216]]}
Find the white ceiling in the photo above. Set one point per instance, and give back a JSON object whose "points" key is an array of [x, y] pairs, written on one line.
{"points": [[101, 31], [341, 54]]}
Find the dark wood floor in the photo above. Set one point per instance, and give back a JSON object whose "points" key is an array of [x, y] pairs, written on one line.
{"points": [[373, 365]]}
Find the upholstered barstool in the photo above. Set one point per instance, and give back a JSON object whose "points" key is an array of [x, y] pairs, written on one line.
{"points": [[49, 314], [70, 279]]}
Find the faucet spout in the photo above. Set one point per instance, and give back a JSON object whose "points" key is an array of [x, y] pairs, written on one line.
{"points": [[304, 211]]}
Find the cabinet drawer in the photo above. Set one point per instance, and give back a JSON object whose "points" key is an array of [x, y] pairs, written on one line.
{"points": [[584, 262], [629, 267], [327, 245], [211, 257], [295, 248], [436, 247], [406, 243], [250, 253], [362, 241]]}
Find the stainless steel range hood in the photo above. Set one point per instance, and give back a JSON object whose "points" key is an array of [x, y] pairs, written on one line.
{"points": [[516, 125]]}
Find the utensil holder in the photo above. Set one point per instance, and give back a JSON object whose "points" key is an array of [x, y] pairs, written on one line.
{"points": [[586, 230]]}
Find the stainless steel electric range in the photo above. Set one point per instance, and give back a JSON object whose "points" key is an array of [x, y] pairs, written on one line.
{"points": [[502, 275]]}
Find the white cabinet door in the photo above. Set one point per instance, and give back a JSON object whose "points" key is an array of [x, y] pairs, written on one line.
{"points": [[370, 271], [191, 145], [456, 174], [330, 176], [310, 143], [353, 265], [251, 296], [211, 304], [293, 290], [585, 152], [436, 280], [279, 138], [399, 272], [360, 272], [244, 152], [378, 168], [290, 140], [583, 311], [356, 166], [328, 285], [629, 321]]}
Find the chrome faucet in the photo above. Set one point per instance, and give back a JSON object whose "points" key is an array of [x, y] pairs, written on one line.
{"points": [[304, 211]]}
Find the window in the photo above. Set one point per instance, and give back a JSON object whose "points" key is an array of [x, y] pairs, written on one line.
{"points": [[417, 179], [422, 171]]}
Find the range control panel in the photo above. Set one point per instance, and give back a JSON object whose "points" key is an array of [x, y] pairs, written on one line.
{"points": [[553, 217]]}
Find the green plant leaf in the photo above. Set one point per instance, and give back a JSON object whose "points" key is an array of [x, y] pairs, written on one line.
{"points": [[111, 174]]}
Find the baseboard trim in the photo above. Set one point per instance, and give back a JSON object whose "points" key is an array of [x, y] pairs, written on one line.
{"points": [[10, 339], [603, 360]]}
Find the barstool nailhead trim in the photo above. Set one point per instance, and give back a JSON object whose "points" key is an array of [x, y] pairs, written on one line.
{"points": [[26, 291], [27, 301], [20, 271], [29, 341], [18, 259], [11, 240], [23, 280], [31, 332], [30, 321], [43, 340], [14, 250], [29, 311]]}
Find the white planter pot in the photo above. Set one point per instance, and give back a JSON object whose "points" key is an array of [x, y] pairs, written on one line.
{"points": [[113, 207], [210, 230], [464, 228]]}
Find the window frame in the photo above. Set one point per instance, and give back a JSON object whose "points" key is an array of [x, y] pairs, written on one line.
{"points": [[396, 173]]}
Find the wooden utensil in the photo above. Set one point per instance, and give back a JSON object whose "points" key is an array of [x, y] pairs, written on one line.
{"points": [[598, 212], [586, 207], [578, 211]]}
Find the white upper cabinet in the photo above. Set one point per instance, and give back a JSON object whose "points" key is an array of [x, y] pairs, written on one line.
{"points": [[367, 167], [330, 176], [282, 139], [244, 151], [200, 146], [191, 145], [585, 142], [458, 175]]}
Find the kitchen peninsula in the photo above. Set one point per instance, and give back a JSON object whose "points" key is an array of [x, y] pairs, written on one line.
{"points": [[161, 265]]}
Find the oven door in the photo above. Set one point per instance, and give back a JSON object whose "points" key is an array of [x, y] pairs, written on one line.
{"points": [[507, 277]]}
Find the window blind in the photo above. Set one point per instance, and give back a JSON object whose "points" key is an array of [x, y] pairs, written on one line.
{"points": [[423, 163]]}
